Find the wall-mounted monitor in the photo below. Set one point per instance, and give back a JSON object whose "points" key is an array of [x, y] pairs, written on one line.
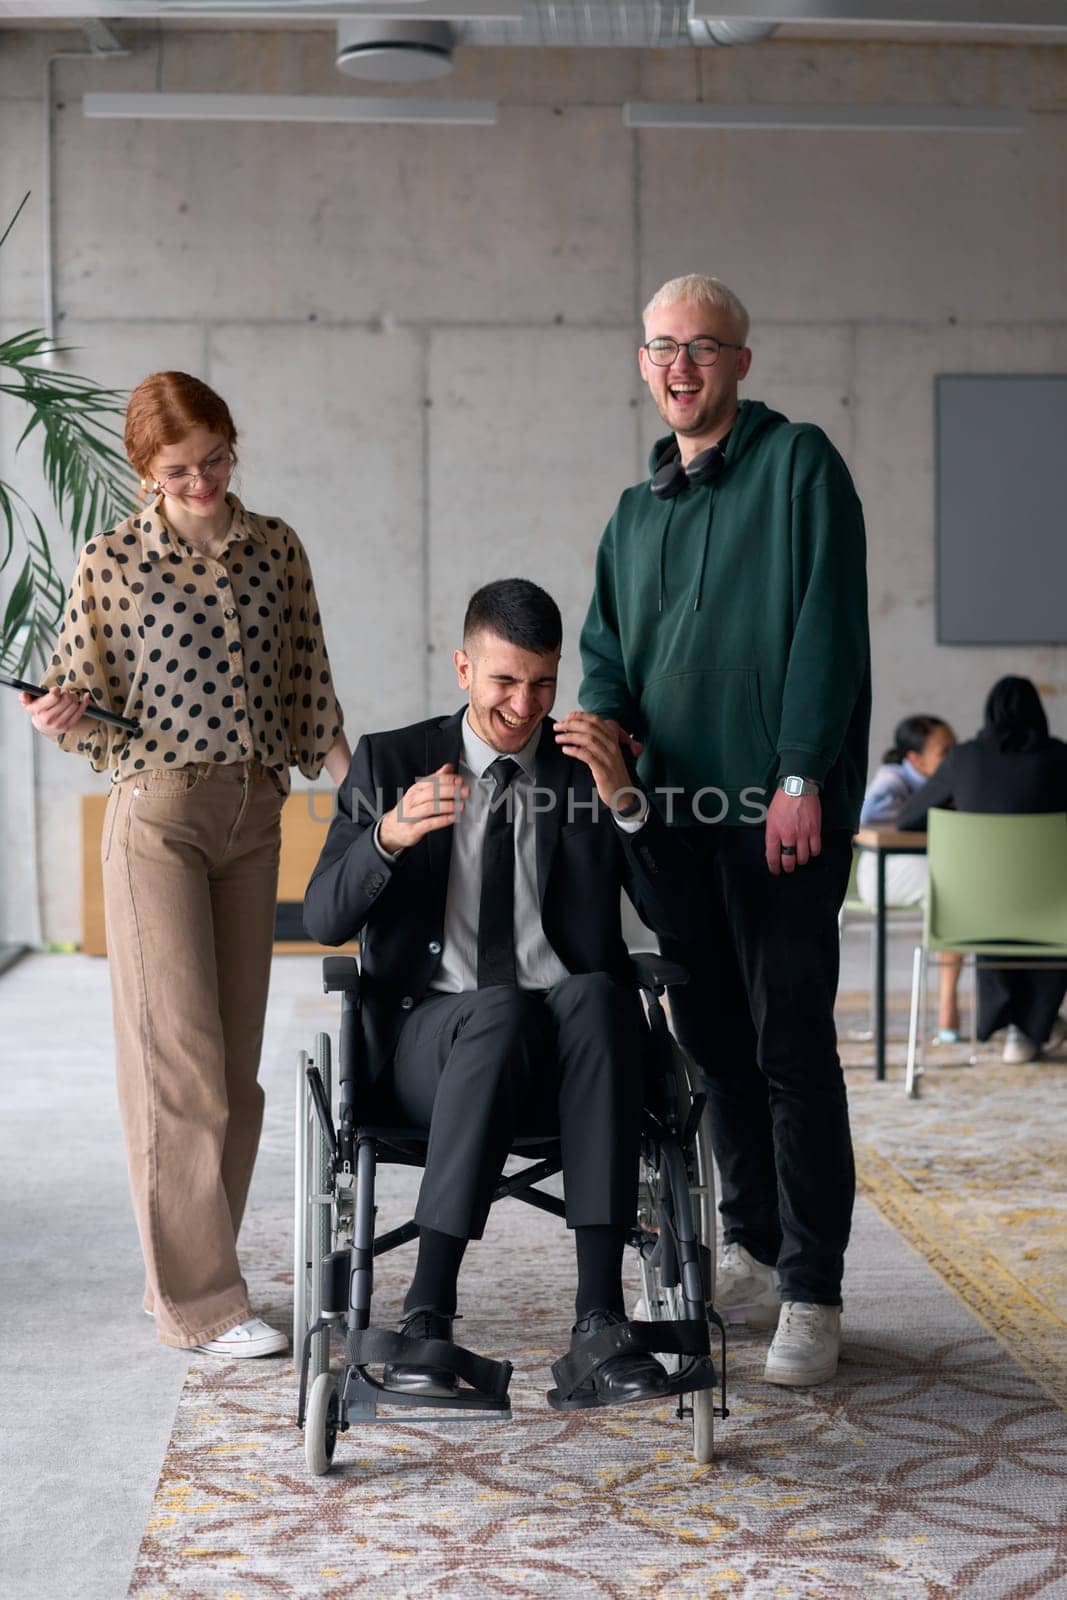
{"points": [[1001, 510]]}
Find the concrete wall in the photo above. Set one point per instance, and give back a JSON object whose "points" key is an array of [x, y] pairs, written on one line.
{"points": [[427, 335]]}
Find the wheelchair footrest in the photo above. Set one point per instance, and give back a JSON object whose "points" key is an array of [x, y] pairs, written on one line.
{"points": [[362, 1395], [488, 1380], [696, 1374], [573, 1372]]}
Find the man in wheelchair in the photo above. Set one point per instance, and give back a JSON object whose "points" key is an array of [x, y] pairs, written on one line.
{"points": [[480, 858]]}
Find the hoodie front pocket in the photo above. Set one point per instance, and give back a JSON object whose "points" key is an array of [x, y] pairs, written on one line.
{"points": [[705, 729]]}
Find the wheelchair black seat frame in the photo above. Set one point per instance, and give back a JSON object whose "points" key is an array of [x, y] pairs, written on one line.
{"points": [[348, 1273]]}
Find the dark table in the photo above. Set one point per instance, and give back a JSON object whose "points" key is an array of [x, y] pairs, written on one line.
{"points": [[884, 841]]}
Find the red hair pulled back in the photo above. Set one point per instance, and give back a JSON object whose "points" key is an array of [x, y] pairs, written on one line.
{"points": [[166, 406]]}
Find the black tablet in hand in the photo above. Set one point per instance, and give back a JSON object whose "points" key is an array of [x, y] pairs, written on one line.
{"points": [[112, 718]]}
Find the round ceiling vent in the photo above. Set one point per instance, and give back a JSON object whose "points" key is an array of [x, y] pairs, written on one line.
{"points": [[395, 52]]}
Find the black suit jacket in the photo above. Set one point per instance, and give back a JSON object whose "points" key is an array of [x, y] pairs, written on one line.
{"points": [[399, 910], [977, 776]]}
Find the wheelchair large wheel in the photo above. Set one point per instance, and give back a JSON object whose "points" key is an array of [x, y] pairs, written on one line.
{"points": [[313, 1210], [663, 1301]]}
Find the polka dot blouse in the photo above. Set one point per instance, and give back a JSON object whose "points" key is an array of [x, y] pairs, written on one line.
{"points": [[218, 660]]}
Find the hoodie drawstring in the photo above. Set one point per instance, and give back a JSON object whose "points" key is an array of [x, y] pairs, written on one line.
{"points": [[663, 548], [703, 553]]}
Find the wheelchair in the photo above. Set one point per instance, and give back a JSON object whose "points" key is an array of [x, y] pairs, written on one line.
{"points": [[335, 1244]]}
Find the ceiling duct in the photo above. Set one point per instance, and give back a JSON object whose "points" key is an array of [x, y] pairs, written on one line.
{"points": [[729, 30], [395, 52]]}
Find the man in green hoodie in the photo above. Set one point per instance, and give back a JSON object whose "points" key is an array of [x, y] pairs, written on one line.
{"points": [[727, 639]]}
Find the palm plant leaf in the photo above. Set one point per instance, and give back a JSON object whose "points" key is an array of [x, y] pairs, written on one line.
{"points": [[15, 218], [87, 478], [34, 606], [15, 512]]}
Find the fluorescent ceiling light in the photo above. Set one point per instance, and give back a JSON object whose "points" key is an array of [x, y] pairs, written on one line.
{"points": [[874, 119], [272, 10], [287, 108], [936, 13]]}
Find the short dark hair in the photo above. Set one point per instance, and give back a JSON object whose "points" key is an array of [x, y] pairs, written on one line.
{"points": [[516, 610]]}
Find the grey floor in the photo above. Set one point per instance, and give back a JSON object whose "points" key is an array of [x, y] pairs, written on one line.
{"points": [[88, 1396]]}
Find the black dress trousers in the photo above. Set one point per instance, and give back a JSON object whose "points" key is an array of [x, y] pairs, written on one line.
{"points": [[480, 1068], [758, 1018]]}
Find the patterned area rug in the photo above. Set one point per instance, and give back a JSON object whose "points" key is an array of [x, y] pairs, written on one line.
{"points": [[934, 1468], [974, 1175]]}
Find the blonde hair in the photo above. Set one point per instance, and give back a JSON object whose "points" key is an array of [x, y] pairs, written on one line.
{"points": [[695, 287]]}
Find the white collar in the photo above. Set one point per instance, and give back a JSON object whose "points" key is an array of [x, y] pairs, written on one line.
{"points": [[480, 756]]}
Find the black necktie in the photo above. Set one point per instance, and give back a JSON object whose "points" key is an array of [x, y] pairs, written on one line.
{"points": [[496, 909]]}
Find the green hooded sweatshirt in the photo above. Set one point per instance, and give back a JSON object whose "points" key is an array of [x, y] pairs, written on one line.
{"points": [[728, 628]]}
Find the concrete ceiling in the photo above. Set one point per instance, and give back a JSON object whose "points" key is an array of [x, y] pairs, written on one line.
{"points": [[634, 24]]}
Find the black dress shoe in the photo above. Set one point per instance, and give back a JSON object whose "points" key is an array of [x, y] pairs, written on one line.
{"points": [[423, 1323], [623, 1379]]}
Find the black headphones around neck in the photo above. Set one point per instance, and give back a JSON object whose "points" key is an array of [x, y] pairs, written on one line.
{"points": [[670, 477]]}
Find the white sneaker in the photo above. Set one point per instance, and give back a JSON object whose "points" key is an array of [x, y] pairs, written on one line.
{"points": [[1017, 1047], [745, 1289], [807, 1345], [1057, 1036], [251, 1338]]}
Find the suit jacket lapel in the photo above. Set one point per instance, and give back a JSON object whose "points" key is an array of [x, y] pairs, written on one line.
{"points": [[443, 743], [551, 774]]}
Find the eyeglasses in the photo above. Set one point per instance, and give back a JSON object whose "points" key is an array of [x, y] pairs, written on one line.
{"points": [[703, 352], [216, 466]]}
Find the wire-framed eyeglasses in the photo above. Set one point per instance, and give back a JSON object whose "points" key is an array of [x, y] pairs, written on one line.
{"points": [[702, 352], [216, 466]]}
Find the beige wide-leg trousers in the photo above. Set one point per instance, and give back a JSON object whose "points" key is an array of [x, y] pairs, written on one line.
{"points": [[190, 861]]}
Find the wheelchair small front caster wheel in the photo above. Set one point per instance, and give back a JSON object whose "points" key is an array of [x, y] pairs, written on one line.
{"points": [[703, 1426], [321, 1424]]}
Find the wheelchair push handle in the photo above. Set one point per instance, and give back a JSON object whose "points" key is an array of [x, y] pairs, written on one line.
{"points": [[340, 973], [654, 973]]}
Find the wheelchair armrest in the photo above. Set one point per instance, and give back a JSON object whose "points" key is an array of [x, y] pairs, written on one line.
{"points": [[340, 972], [653, 972]]}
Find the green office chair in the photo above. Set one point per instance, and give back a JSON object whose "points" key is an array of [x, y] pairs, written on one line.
{"points": [[998, 887]]}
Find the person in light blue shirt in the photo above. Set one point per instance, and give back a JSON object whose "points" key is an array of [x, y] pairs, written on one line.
{"points": [[904, 767], [920, 744]]}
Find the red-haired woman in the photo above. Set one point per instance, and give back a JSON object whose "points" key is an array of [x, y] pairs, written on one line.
{"points": [[197, 619]]}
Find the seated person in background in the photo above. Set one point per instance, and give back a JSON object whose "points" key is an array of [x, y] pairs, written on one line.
{"points": [[920, 744], [497, 997], [1013, 765]]}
